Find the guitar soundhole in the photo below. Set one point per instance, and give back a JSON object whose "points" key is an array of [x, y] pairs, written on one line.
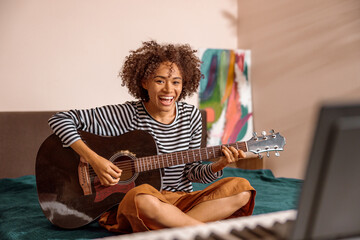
{"points": [[125, 161]]}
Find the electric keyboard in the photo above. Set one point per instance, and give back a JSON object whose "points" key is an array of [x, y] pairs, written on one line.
{"points": [[263, 226]]}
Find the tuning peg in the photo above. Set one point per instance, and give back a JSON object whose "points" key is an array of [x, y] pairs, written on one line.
{"points": [[272, 133], [263, 133], [255, 136], [260, 156], [268, 154], [277, 153]]}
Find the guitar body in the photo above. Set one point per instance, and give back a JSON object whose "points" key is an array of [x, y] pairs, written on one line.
{"points": [[61, 195]]}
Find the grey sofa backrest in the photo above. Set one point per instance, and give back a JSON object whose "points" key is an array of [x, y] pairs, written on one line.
{"points": [[22, 133]]}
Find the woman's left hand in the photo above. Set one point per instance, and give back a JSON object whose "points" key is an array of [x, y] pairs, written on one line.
{"points": [[231, 155]]}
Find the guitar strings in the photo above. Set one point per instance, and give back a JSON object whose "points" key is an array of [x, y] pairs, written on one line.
{"points": [[146, 163]]}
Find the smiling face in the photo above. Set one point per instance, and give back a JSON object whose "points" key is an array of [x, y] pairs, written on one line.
{"points": [[164, 89]]}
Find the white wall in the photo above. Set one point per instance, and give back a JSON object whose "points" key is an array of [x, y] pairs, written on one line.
{"points": [[62, 54]]}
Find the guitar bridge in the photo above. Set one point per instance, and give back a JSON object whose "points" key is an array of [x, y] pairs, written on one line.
{"points": [[84, 178]]}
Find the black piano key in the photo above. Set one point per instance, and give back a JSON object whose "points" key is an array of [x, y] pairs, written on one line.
{"points": [[243, 234], [214, 236], [198, 237], [282, 230], [267, 233], [254, 232], [211, 236]]}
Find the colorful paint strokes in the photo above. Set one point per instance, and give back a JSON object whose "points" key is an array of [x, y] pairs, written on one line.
{"points": [[225, 94]]}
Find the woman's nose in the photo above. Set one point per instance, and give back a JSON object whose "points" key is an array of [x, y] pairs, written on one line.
{"points": [[167, 87]]}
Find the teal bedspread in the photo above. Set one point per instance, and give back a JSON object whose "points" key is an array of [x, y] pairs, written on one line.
{"points": [[21, 216]]}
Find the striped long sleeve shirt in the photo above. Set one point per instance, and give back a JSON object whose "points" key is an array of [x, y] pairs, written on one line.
{"points": [[183, 133]]}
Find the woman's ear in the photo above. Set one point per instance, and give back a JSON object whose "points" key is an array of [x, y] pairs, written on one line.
{"points": [[144, 84]]}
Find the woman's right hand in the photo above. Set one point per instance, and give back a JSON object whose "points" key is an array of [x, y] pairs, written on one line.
{"points": [[107, 172]]}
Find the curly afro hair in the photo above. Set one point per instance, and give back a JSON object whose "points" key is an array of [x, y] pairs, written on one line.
{"points": [[142, 63]]}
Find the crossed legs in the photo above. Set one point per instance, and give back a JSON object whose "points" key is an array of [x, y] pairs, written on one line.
{"points": [[157, 214]]}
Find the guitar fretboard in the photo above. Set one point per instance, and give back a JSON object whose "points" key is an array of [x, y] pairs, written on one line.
{"points": [[176, 158]]}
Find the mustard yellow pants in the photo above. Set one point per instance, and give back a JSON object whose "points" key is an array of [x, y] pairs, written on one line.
{"points": [[125, 218]]}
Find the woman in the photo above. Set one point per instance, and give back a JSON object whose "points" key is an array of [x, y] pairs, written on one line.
{"points": [[160, 76]]}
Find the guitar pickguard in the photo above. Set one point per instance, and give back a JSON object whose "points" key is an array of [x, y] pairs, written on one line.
{"points": [[104, 192]]}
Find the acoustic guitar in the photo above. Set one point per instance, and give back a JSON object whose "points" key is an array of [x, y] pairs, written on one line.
{"points": [[70, 194]]}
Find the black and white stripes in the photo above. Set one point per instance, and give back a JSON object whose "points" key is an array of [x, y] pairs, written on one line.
{"points": [[113, 120]]}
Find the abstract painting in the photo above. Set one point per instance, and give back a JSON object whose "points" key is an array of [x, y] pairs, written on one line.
{"points": [[225, 94]]}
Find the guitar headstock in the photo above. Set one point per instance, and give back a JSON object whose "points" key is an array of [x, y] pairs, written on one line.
{"points": [[266, 143]]}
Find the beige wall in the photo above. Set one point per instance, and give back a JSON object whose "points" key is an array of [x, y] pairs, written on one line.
{"points": [[303, 54], [66, 54]]}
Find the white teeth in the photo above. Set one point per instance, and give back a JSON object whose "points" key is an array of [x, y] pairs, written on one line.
{"points": [[167, 98]]}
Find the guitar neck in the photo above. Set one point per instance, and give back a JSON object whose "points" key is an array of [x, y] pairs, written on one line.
{"points": [[176, 158]]}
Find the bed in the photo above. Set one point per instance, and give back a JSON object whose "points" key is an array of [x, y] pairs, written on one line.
{"points": [[21, 217]]}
